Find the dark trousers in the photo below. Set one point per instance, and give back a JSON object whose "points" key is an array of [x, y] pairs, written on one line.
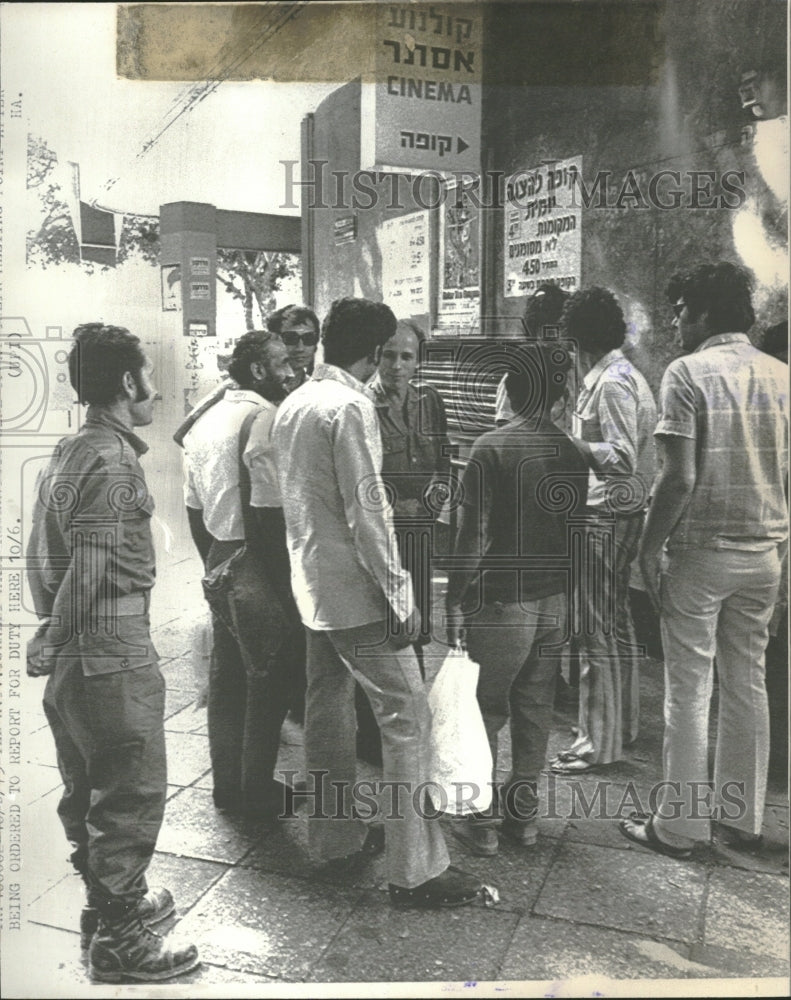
{"points": [[247, 707], [110, 741]]}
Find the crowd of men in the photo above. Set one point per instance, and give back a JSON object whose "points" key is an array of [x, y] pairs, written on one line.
{"points": [[297, 468]]}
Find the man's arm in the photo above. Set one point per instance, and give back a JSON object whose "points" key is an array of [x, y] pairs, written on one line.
{"points": [[617, 414], [200, 535], [367, 513], [671, 496]]}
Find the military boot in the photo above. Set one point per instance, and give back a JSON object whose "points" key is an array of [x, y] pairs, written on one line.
{"points": [[127, 949], [155, 906]]}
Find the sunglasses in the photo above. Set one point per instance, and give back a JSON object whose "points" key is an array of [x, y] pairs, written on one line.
{"points": [[291, 338]]}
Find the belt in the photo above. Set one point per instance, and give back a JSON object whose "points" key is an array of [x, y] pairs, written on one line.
{"points": [[124, 605]]}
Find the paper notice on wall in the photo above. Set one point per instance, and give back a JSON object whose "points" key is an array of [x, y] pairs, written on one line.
{"points": [[458, 308], [543, 227], [404, 246]]}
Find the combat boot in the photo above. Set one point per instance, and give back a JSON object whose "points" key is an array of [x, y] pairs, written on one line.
{"points": [[127, 949], [155, 906]]}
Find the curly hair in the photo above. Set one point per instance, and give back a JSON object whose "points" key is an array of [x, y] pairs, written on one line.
{"points": [[354, 328], [250, 347], [540, 376], [593, 318], [722, 290], [544, 308], [292, 313], [98, 360]]}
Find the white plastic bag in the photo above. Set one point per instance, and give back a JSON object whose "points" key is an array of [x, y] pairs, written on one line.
{"points": [[460, 753]]}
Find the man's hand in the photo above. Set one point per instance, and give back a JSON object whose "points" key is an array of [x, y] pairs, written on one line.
{"points": [[650, 568], [37, 665], [409, 631], [456, 631]]}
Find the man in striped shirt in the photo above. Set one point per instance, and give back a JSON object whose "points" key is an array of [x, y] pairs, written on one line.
{"points": [[719, 511]]}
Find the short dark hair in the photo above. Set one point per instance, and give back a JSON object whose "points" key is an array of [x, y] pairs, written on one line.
{"points": [[354, 328], [291, 313], [251, 347], [544, 308], [593, 318], [537, 377], [722, 290], [98, 360]]}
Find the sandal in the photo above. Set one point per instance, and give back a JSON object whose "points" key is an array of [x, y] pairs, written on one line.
{"points": [[567, 762], [640, 830]]}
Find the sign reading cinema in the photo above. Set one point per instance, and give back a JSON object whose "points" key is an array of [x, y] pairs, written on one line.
{"points": [[426, 58]]}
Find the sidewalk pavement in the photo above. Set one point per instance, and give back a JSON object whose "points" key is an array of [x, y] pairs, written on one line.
{"points": [[583, 902]]}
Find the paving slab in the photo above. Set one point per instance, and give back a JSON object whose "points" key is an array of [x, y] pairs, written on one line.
{"points": [[178, 673], [194, 828], [39, 747], [45, 850], [188, 757], [556, 949], [176, 699], [518, 873], [380, 943], [265, 923], [750, 908], [623, 890], [39, 780], [172, 639], [188, 719]]}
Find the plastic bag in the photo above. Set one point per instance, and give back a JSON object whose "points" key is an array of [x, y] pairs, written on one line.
{"points": [[460, 753]]}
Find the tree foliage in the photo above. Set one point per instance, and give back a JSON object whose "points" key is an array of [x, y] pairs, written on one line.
{"points": [[54, 241], [252, 277]]}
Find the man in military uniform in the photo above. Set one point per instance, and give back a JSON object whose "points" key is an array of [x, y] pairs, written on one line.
{"points": [[90, 564]]}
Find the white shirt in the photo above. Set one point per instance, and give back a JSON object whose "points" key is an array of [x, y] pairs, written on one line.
{"points": [[211, 462], [345, 568]]}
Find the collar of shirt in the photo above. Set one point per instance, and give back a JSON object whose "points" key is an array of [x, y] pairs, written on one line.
{"points": [[321, 372], [243, 396], [722, 338], [381, 397], [101, 418], [601, 366]]}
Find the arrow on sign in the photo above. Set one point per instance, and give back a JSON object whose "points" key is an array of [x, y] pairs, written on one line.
{"points": [[461, 145]]}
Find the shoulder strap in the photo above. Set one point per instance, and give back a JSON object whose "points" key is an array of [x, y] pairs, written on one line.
{"points": [[245, 487]]}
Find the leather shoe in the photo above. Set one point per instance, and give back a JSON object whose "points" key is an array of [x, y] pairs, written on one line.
{"points": [[452, 887], [480, 840], [524, 834]]}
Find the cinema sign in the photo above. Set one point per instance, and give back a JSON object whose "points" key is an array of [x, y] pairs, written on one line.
{"points": [[421, 104]]}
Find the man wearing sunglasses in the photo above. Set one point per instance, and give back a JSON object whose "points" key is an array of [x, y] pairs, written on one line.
{"points": [[298, 328]]}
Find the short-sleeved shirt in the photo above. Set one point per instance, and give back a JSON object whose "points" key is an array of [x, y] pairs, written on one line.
{"points": [[211, 462], [415, 446], [616, 415], [732, 401], [345, 567], [93, 494]]}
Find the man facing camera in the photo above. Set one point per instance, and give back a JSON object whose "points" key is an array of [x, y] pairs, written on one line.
{"points": [[90, 562]]}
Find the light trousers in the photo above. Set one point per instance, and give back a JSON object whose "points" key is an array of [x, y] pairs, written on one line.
{"points": [[390, 677], [715, 602]]}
